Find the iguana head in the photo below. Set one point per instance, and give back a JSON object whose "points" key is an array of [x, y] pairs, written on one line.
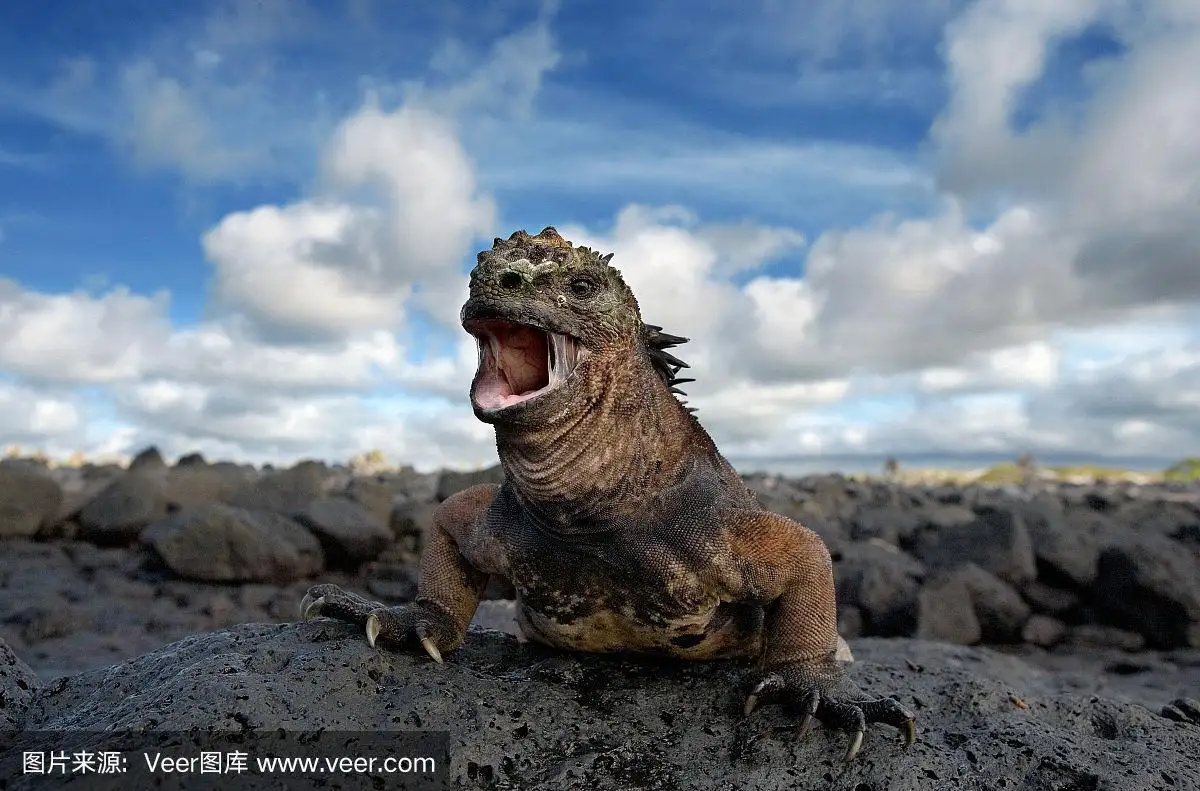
{"points": [[546, 314]]}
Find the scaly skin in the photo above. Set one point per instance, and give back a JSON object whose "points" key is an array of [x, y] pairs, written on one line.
{"points": [[620, 525]]}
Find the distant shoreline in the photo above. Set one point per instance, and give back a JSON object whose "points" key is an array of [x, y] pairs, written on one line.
{"points": [[912, 469]]}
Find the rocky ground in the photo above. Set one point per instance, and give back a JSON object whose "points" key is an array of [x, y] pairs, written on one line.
{"points": [[1086, 596], [524, 718]]}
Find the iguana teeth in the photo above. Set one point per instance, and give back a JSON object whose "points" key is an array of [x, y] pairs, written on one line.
{"points": [[562, 347]]}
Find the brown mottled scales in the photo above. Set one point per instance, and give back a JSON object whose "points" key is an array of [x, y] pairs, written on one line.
{"points": [[620, 524]]}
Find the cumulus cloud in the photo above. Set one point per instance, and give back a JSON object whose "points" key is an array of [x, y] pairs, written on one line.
{"points": [[1101, 224], [28, 415], [310, 311], [75, 339], [168, 128], [1116, 175], [1033, 365], [437, 210]]}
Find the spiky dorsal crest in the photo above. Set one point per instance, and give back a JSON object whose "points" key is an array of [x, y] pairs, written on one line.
{"points": [[667, 364]]}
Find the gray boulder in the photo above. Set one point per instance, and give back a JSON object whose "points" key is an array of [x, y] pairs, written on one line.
{"points": [[149, 459], [882, 582], [29, 498], [998, 607], [995, 540], [220, 543], [451, 482], [120, 511], [193, 484], [1043, 631], [377, 494], [1151, 584], [884, 523], [1177, 520], [282, 491], [348, 533], [946, 613], [411, 522], [1065, 546]]}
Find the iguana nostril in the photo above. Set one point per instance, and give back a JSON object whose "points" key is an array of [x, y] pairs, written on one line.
{"points": [[510, 280]]}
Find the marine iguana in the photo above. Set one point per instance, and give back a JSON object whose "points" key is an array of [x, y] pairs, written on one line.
{"points": [[619, 523]]}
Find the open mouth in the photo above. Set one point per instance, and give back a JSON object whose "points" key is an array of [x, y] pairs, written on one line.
{"points": [[519, 362]]}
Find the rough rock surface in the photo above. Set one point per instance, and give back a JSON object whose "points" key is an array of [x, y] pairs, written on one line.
{"points": [[18, 685], [524, 717]]}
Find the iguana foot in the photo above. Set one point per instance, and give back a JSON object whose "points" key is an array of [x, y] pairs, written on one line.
{"points": [[423, 620], [821, 692]]}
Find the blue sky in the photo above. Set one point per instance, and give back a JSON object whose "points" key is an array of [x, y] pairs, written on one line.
{"points": [[74, 191], [851, 196]]}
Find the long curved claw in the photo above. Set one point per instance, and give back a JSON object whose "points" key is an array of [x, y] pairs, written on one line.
{"points": [[432, 650], [771, 683], [372, 628], [429, 646], [855, 745], [311, 608], [811, 702]]}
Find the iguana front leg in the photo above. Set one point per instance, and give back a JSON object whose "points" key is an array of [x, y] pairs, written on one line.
{"points": [[787, 568], [448, 591]]}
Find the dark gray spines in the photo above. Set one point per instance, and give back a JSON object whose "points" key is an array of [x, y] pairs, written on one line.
{"points": [[667, 364]]}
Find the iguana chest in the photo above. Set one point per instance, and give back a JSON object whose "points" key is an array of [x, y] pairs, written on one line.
{"points": [[636, 588]]}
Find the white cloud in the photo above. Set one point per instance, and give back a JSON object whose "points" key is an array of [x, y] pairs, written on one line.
{"points": [[29, 415], [251, 426], [436, 209], [72, 338], [325, 268], [305, 268], [1104, 225], [504, 83], [168, 128], [1116, 175], [1030, 366]]}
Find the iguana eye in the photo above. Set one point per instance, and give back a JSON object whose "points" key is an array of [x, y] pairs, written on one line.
{"points": [[582, 287]]}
